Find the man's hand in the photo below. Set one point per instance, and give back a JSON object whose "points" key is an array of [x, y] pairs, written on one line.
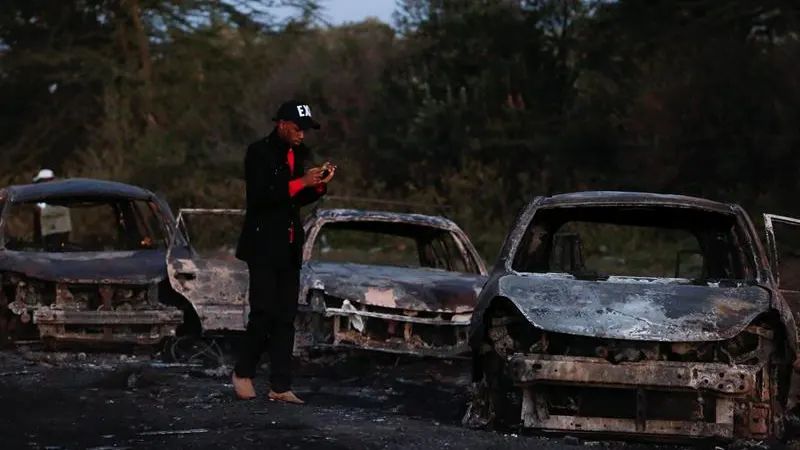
{"points": [[331, 168], [312, 177]]}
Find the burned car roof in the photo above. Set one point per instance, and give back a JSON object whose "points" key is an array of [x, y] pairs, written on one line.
{"points": [[610, 198], [75, 187], [345, 215]]}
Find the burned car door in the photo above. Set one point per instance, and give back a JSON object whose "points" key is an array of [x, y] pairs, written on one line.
{"points": [[783, 248], [207, 273]]}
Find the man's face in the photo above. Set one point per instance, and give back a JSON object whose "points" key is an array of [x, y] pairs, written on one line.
{"points": [[290, 132]]}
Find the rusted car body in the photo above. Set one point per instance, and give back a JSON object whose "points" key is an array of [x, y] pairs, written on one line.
{"points": [[215, 283], [421, 305], [559, 346], [101, 279], [424, 309]]}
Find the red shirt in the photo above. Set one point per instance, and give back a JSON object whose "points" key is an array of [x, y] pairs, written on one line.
{"points": [[296, 186]]}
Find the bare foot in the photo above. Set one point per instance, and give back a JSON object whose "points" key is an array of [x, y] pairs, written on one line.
{"points": [[243, 387], [287, 397]]}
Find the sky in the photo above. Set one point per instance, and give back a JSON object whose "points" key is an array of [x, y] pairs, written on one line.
{"points": [[340, 11]]}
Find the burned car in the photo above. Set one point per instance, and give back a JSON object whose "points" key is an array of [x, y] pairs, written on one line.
{"points": [[635, 314], [82, 260], [392, 282], [384, 281]]}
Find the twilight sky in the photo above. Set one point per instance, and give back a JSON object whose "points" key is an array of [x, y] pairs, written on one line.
{"points": [[353, 10], [338, 11]]}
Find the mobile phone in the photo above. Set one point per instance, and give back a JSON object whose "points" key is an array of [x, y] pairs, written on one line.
{"points": [[326, 170]]}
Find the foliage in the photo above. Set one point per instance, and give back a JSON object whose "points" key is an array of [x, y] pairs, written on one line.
{"points": [[479, 105]]}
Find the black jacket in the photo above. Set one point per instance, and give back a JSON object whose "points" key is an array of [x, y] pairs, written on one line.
{"points": [[264, 239]]}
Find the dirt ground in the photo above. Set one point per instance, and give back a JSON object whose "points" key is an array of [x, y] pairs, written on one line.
{"points": [[79, 401]]}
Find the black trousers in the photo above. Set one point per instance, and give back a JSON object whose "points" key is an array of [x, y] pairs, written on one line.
{"points": [[270, 324]]}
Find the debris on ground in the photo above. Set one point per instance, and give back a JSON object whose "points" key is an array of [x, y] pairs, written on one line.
{"points": [[354, 402]]}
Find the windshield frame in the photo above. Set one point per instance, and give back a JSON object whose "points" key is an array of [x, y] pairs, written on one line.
{"points": [[467, 254], [751, 270], [150, 205]]}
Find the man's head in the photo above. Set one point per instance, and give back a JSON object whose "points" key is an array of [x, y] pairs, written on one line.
{"points": [[44, 175], [293, 119]]}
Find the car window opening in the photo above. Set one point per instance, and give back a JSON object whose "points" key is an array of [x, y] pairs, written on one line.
{"points": [[84, 225], [595, 243]]}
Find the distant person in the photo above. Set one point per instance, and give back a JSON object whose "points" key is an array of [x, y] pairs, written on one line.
{"points": [[55, 223], [44, 175], [271, 242]]}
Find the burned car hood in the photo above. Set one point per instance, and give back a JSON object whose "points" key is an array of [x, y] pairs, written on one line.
{"points": [[419, 289], [632, 309], [132, 267]]}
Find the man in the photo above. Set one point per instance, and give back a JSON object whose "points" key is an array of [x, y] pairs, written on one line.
{"points": [[271, 243], [55, 224]]}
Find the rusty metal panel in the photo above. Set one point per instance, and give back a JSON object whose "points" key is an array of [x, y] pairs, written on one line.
{"points": [[446, 352], [397, 287], [215, 287], [122, 267], [75, 326], [659, 428], [738, 380], [626, 308], [621, 198], [457, 320], [46, 316]]}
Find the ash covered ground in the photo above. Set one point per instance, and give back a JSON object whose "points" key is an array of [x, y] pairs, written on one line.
{"points": [[53, 400]]}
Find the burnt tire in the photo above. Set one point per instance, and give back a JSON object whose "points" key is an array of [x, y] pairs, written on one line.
{"points": [[495, 402], [506, 398], [312, 328], [780, 430]]}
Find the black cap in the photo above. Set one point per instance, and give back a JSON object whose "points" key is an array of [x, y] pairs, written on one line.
{"points": [[299, 113]]}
